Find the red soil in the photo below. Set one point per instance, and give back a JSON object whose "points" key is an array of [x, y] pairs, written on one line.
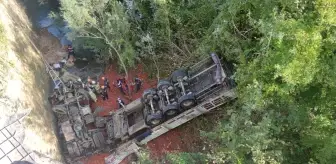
{"points": [[100, 159], [181, 139], [96, 159], [111, 104]]}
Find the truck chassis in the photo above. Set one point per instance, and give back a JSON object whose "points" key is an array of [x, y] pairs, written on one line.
{"points": [[192, 92]]}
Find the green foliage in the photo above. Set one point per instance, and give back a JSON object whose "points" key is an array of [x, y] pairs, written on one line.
{"points": [[100, 25], [186, 158], [285, 76], [144, 157], [173, 26], [285, 58]]}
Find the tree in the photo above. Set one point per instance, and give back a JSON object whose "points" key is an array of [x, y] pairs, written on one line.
{"points": [[285, 73], [285, 57], [101, 25]]}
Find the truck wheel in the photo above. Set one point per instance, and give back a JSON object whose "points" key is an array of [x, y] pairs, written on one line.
{"points": [[170, 110], [165, 84], [154, 119], [187, 101], [60, 109], [177, 75], [147, 93]]}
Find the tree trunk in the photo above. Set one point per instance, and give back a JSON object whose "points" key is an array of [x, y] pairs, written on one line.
{"points": [[120, 59]]}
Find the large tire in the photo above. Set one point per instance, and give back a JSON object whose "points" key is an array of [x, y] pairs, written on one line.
{"points": [[154, 119], [177, 75], [165, 84], [170, 110], [187, 101], [60, 109], [147, 93]]}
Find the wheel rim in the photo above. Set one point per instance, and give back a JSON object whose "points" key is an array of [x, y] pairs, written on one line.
{"points": [[188, 103], [155, 122], [171, 112]]}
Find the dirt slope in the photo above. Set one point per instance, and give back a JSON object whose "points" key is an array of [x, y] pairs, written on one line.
{"points": [[24, 84]]}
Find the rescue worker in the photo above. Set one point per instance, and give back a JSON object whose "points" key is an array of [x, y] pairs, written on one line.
{"points": [[104, 93], [120, 102], [138, 83], [70, 51], [57, 67], [106, 83], [96, 87], [127, 89], [120, 86], [89, 83]]}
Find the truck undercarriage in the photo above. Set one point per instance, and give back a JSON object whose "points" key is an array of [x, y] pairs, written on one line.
{"points": [[186, 94]]}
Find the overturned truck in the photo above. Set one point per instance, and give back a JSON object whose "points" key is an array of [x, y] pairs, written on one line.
{"points": [[186, 94]]}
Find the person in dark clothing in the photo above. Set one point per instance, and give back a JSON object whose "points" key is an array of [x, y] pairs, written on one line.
{"points": [[138, 84], [127, 89], [70, 51], [120, 102], [120, 86], [104, 93], [106, 83]]}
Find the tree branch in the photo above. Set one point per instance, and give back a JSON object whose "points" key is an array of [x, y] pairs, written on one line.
{"points": [[120, 59], [177, 47], [238, 30], [93, 37], [268, 44], [186, 47], [157, 69], [107, 41]]}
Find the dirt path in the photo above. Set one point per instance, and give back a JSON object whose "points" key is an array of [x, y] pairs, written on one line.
{"points": [[26, 81]]}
